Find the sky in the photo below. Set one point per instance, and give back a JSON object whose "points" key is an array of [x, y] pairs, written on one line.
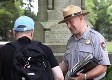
{"points": [[35, 5]]}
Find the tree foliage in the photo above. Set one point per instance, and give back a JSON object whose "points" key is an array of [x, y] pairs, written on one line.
{"points": [[27, 9], [101, 16], [10, 10]]}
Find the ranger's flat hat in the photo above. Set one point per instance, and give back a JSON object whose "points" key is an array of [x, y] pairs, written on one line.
{"points": [[72, 11]]}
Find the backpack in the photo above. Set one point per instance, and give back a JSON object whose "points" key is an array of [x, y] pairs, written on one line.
{"points": [[30, 62]]}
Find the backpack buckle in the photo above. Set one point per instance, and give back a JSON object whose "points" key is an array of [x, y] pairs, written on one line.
{"points": [[27, 65]]}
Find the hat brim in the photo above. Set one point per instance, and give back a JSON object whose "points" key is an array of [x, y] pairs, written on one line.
{"points": [[63, 21]]}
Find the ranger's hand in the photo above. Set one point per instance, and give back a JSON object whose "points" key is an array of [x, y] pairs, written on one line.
{"points": [[80, 76]]}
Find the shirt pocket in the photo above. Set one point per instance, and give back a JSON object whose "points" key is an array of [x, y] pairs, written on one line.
{"points": [[68, 53], [68, 56], [85, 50]]}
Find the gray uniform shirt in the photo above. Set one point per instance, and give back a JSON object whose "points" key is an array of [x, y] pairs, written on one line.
{"points": [[91, 42]]}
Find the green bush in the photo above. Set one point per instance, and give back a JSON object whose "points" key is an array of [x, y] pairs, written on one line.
{"points": [[109, 47], [108, 75]]}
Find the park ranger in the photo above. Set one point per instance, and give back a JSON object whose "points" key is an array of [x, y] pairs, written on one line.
{"points": [[83, 42]]}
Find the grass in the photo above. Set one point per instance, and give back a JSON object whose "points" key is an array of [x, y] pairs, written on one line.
{"points": [[109, 47]]}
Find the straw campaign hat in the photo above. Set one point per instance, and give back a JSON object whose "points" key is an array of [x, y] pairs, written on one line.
{"points": [[72, 11]]}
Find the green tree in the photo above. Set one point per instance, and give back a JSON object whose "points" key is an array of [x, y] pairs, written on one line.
{"points": [[27, 10], [5, 20], [9, 11], [100, 16]]}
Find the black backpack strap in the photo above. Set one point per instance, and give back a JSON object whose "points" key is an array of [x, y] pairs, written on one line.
{"points": [[35, 45], [43, 52], [15, 44]]}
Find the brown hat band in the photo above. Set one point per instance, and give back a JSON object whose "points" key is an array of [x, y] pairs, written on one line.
{"points": [[74, 14]]}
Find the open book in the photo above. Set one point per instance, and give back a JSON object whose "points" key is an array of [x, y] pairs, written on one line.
{"points": [[85, 65]]}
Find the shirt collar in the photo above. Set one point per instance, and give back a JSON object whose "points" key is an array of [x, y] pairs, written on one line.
{"points": [[84, 36], [86, 32]]}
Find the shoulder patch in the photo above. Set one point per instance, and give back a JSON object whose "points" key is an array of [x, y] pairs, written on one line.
{"points": [[103, 45]]}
